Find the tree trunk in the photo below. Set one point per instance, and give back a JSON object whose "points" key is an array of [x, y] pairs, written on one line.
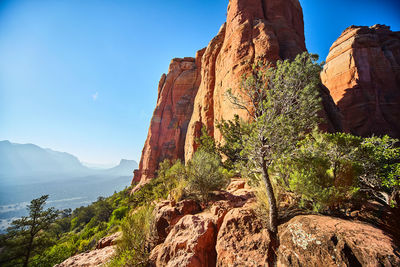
{"points": [[273, 210], [273, 217], [27, 256], [29, 249]]}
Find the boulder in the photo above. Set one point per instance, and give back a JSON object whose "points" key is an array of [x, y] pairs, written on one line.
{"points": [[191, 242], [108, 240], [91, 258], [312, 240], [167, 214], [242, 240]]}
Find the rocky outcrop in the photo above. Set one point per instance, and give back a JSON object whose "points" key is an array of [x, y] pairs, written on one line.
{"points": [[105, 249], [254, 30], [168, 126], [242, 240], [108, 240], [325, 241], [167, 214], [192, 94], [230, 233], [191, 242], [191, 239], [362, 73], [91, 258]]}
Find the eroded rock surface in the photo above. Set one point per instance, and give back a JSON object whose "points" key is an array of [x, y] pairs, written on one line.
{"points": [[168, 126], [230, 233], [105, 249], [167, 214], [254, 30], [362, 73], [91, 258], [242, 240], [325, 241], [108, 240]]}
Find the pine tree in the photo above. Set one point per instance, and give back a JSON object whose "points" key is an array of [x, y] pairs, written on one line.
{"points": [[26, 237], [283, 103]]}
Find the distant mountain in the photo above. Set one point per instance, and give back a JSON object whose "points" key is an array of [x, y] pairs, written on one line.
{"points": [[29, 159], [98, 166], [125, 168], [29, 163]]}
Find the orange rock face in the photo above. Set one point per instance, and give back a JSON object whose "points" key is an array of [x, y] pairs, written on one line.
{"points": [[362, 74], [242, 240], [168, 127], [192, 94], [254, 30]]}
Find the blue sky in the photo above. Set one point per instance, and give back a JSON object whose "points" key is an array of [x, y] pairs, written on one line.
{"points": [[81, 76]]}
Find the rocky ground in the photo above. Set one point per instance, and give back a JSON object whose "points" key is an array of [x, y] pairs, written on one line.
{"points": [[230, 233]]}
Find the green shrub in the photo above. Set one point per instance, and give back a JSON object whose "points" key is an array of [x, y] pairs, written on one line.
{"points": [[133, 248], [120, 212], [55, 254], [206, 142], [324, 169], [84, 245], [205, 174], [233, 132]]}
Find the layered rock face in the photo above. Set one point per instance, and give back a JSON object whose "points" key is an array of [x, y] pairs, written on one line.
{"points": [[254, 30], [193, 90], [168, 126], [192, 94], [362, 74]]}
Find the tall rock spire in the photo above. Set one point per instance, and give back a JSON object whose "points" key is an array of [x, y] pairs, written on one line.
{"points": [[192, 94]]}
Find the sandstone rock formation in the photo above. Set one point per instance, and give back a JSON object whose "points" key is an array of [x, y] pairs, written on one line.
{"points": [[254, 30], [168, 126], [242, 240], [230, 233], [167, 215], [362, 74], [192, 94], [191, 242]]}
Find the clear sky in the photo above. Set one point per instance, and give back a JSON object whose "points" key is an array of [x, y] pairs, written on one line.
{"points": [[81, 76]]}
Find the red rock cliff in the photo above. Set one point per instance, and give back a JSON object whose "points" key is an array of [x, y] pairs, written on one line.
{"points": [[168, 126], [362, 74], [255, 29]]}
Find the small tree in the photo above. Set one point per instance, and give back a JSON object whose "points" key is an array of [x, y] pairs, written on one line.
{"points": [[26, 237], [283, 102]]}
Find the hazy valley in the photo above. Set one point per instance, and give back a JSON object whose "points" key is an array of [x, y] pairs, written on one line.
{"points": [[28, 171]]}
